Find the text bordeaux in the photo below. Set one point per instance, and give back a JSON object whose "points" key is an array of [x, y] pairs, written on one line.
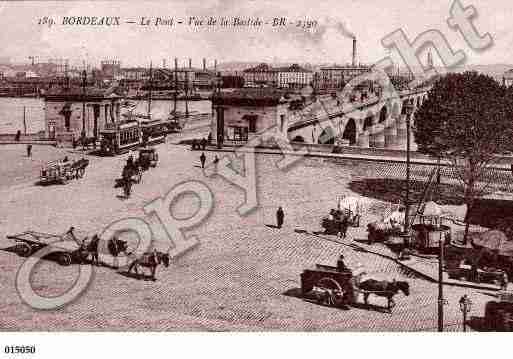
{"points": [[91, 20]]}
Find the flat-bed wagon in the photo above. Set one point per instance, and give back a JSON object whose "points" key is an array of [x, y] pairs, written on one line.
{"points": [[64, 251], [63, 171]]}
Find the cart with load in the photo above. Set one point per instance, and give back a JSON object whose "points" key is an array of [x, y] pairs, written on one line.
{"points": [[338, 286], [148, 157], [63, 171], [65, 252], [347, 214], [499, 314]]}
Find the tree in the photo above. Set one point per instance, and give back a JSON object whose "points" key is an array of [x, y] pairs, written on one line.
{"points": [[466, 120]]}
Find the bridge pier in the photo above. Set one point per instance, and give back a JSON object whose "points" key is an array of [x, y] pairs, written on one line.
{"points": [[401, 130], [390, 133], [363, 139], [377, 136]]}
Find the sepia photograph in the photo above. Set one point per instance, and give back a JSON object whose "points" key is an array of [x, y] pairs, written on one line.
{"points": [[255, 166]]}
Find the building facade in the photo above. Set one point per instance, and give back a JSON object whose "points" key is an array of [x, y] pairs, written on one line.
{"points": [[71, 113], [337, 76], [293, 76], [243, 114]]}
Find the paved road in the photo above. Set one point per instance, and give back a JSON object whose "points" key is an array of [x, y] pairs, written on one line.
{"points": [[244, 274]]}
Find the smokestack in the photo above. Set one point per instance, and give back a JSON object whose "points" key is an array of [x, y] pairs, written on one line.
{"points": [[215, 65], [190, 63], [354, 51], [204, 64]]}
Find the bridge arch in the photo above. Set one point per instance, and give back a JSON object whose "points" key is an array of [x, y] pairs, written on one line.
{"points": [[298, 139], [383, 114], [350, 131]]}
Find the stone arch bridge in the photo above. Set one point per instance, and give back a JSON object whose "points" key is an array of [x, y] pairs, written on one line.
{"points": [[372, 122]]}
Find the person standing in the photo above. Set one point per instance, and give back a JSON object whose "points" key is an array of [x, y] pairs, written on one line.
{"points": [[29, 150], [203, 158], [280, 215]]}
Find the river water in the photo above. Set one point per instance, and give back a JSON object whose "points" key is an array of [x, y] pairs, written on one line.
{"points": [[11, 112]]}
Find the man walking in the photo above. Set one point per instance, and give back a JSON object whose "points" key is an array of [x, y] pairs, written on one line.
{"points": [[203, 158], [280, 215], [29, 151]]}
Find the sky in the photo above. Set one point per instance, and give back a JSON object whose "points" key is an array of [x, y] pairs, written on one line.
{"points": [[328, 42]]}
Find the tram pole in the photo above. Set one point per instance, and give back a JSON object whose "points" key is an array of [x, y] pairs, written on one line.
{"points": [[84, 80]]}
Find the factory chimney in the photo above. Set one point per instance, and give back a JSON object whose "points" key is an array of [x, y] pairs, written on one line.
{"points": [[190, 63], [215, 65], [354, 51], [204, 64]]}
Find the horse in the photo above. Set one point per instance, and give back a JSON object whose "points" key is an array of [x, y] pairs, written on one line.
{"points": [[115, 247], [150, 260], [384, 289]]}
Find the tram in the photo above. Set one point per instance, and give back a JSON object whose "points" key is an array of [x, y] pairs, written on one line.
{"points": [[120, 137], [153, 132]]}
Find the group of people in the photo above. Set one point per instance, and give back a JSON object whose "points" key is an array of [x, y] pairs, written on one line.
{"points": [[341, 218]]}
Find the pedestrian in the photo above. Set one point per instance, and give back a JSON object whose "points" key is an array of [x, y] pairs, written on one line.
{"points": [[17, 137], [216, 159], [203, 143], [341, 266], [29, 150], [203, 158], [280, 215]]}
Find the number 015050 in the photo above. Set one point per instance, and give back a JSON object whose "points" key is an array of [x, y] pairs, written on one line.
{"points": [[19, 349]]}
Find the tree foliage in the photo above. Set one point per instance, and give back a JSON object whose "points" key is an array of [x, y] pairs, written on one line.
{"points": [[467, 120]]}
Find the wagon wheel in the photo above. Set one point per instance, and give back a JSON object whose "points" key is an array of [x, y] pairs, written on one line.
{"points": [[332, 287], [64, 259], [23, 249]]}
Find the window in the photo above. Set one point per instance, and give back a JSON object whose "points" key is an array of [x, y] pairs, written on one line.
{"points": [[282, 122]]}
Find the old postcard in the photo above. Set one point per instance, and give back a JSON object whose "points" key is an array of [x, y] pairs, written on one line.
{"points": [[256, 166]]}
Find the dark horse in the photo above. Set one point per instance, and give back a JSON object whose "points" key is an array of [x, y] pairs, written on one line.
{"points": [[115, 247], [150, 260], [384, 289]]}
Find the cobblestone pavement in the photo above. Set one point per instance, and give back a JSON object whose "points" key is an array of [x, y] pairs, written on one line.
{"points": [[244, 275]]}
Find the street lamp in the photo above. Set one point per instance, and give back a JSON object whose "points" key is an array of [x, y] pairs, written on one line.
{"points": [[465, 307], [84, 80], [409, 112]]}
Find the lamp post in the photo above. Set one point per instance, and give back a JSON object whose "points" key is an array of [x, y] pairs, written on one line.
{"points": [[465, 306], [84, 80], [441, 300], [409, 112]]}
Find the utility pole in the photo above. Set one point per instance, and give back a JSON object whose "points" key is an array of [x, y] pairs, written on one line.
{"points": [[176, 84], [24, 121], [84, 80], [409, 112], [151, 85], [186, 93]]}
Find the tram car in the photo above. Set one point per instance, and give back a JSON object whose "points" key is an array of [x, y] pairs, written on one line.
{"points": [[153, 132], [120, 137]]}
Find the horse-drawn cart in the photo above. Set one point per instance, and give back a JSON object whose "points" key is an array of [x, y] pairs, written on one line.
{"points": [[347, 214], [64, 251], [63, 171], [148, 157], [338, 287]]}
